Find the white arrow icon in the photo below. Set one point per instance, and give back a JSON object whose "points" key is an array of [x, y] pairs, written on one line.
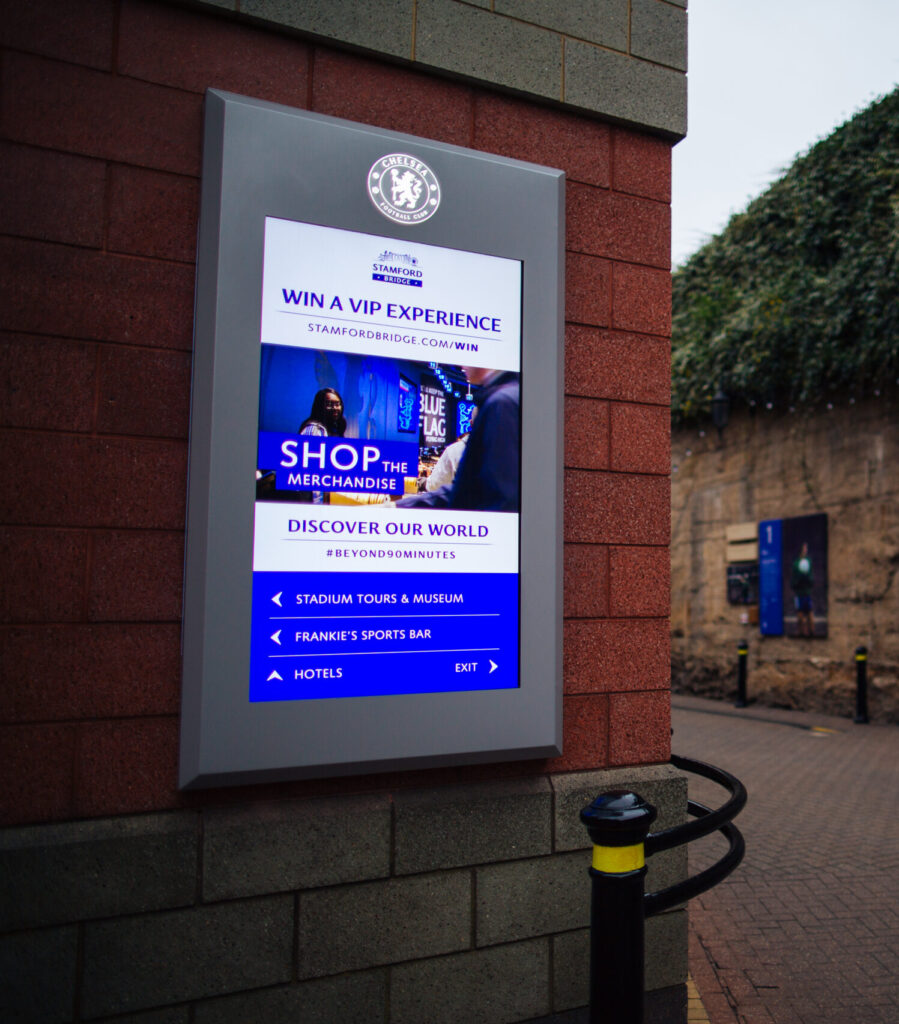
{"points": [[275, 675], [493, 666], [277, 637], [277, 598]]}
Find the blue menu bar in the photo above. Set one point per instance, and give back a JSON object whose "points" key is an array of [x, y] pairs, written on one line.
{"points": [[327, 635]]}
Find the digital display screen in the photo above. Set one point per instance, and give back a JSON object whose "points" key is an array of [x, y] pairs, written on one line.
{"points": [[388, 478]]}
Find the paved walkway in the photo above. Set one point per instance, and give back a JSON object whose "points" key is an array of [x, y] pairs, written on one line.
{"points": [[806, 931]]}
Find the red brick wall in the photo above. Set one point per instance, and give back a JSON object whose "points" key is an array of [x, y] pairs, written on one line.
{"points": [[100, 115]]}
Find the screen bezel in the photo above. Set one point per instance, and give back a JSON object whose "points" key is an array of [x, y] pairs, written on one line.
{"points": [[314, 171]]}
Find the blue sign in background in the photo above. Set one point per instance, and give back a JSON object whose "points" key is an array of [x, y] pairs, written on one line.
{"points": [[464, 416], [771, 605], [328, 635], [407, 406]]}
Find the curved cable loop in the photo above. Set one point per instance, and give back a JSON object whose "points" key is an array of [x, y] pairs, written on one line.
{"points": [[707, 821], [710, 821]]}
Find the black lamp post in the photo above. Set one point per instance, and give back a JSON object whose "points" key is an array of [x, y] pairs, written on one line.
{"points": [[720, 410]]}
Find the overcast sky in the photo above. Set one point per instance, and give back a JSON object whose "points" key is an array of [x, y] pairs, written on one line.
{"points": [[767, 79]]}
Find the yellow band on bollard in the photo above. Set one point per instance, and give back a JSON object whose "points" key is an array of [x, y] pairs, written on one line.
{"points": [[616, 860], [861, 657]]}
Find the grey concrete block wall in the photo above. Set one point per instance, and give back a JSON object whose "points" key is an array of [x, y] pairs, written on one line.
{"points": [[463, 903], [659, 33], [53, 874], [350, 999], [170, 1015], [385, 26], [604, 22], [353, 927], [135, 962], [38, 975], [500, 51], [532, 897], [666, 935], [296, 845], [473, 825], [631, 91], [506, 983], [571, 979], [619, 59]]}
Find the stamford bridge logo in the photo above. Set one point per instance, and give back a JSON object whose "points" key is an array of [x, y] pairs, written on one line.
{"points": [[404, 189]]}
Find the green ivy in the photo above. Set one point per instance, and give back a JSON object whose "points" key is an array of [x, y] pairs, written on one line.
{"points": [[797, 300]]}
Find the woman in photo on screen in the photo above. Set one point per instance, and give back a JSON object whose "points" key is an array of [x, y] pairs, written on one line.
{"points": [[326, 417]]}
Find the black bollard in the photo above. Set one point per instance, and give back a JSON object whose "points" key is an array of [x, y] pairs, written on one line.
{"points": [[742, 656], [861, 686], [618, 823]]}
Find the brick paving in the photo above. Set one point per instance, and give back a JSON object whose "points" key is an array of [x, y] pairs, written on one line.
{"points": [[806, 931]]}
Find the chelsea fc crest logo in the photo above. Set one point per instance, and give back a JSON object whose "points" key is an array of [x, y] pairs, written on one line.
{"points": [[404, 189]]}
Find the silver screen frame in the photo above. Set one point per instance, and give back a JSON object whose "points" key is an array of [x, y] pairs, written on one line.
{"points": [[261, 159]]}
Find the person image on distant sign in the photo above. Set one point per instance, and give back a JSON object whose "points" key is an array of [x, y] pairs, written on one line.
{"points": [[801, 582]]}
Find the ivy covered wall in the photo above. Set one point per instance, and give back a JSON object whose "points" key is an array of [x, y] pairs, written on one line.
{"points": [[795, 302]]}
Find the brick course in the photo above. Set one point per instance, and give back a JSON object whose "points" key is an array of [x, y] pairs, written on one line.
{"points": [[152, 213], [45, 578], [61, 30], [616, 655], [616, 508], [615, 364], [191, 52], [47, 383], [641, 299], [78, 110], [64, 671], [39, 772], [95, 295], [641, 165], [587, 581], [88, 481], [442, 110], [97, 305], [586, 433], [640, 439], [37, 202], [518, 129], [101, 117], [143, 392], [639, 726], [620, 227], [134, 962]]}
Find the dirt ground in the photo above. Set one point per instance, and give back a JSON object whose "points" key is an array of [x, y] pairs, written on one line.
{"points": [[824, 687]]}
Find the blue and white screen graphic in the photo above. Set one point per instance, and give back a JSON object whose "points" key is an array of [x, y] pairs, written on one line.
{"points": [[388, 479]]}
